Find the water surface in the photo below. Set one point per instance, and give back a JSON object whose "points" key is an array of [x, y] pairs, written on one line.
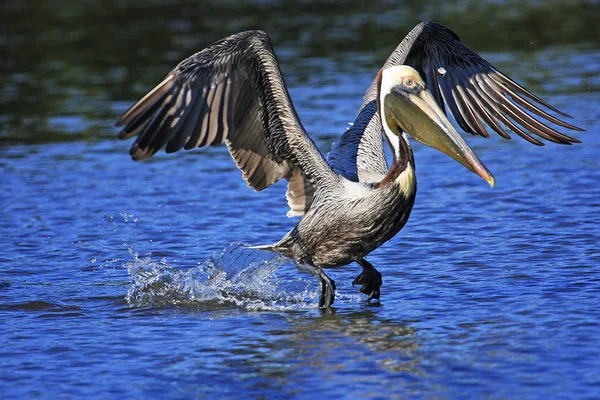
{"points": [[132, 280]]}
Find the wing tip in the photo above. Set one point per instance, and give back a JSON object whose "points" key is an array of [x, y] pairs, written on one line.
{"points": [[154, 95], [577, 128], [139, 154], [123, 134]]}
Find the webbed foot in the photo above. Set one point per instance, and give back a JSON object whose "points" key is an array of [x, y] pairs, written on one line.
{"points": [[370, 279]]}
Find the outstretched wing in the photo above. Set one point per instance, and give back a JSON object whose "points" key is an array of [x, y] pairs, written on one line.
{"points": [[476, 93], [230, 92]]}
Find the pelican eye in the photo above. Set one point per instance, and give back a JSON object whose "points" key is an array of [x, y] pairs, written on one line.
{"points": [[409, 82]]}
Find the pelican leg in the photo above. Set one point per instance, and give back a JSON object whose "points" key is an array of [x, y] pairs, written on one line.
{"points": [[369, 278], [327, 289], [326, 283]]}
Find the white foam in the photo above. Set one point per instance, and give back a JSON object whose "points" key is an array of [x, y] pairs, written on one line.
{"points": [[237, 276]]}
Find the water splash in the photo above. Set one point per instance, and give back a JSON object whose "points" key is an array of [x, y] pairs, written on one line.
{"points": [[237, 276]]}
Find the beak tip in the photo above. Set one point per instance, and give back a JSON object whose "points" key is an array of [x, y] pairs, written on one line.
{"points": [[492, 181]]}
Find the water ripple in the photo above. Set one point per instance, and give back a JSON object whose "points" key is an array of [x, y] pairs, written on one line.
{"points": [[238, 277]]}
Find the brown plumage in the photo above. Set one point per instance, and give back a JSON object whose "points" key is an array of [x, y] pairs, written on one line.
{"points": [[233, 92]]}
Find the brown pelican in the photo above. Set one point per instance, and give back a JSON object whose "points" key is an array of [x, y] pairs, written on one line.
{"points": [[233, 92]]}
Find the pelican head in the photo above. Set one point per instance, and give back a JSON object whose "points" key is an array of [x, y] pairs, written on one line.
{"points": [[407, 106]]}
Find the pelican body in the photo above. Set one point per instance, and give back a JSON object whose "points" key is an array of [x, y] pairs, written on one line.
{"points": [[355, 218], [352, 202]]}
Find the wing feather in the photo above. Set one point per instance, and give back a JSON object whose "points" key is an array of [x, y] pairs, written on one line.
{"points": [[145, 104], [230, 92], [467, 74], [476, 94]]}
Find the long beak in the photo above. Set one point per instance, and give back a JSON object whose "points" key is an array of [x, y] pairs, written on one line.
{"points": [[420, 116]]}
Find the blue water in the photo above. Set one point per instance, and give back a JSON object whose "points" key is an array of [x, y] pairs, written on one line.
{"points": [[134, 280]]}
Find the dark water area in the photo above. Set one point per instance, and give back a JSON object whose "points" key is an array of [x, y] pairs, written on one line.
{"points": [[133, 280]]}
